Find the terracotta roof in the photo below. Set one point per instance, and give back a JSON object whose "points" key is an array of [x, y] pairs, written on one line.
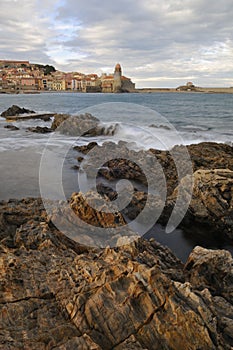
{"points": [[108, 77]]}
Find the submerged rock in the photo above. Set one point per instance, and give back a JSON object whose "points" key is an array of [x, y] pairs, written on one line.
{"points": [[40, 129], [11, 127]]}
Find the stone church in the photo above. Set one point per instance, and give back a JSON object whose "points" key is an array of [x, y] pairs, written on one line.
{"points": [[117, 82]]}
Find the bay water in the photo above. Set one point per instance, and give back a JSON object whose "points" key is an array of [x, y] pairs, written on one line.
{"points": [[157, 120]]}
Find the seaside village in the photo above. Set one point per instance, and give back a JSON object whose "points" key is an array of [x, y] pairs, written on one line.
{"points": [[23, 76]]}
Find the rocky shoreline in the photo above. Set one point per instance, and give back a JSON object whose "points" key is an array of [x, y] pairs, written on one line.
{"points": [[63, 294], [58, 294]]}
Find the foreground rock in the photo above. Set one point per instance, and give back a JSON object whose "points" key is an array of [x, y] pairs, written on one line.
{"points": [[58, 294], [212, 201], [84, 218]]}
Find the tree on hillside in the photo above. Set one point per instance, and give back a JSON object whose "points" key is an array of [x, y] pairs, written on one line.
{"points": [[48, 69]]}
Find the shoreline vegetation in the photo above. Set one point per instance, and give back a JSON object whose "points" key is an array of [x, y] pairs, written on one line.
{"points": [[133, 293]]}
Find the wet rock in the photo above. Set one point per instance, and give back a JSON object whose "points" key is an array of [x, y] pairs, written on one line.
{"points": [[82, 125], [211, 205], [11, 127], [15, 110], [119, 162], [212, 201], [44, 116], [40, 129], [206, 155], [75, 167], [75, 126], [165, 127], [58, 120], [86, 148], [106, 191], [80, 159]]}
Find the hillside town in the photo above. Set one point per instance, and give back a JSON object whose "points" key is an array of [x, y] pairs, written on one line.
{"points": [[23, 76]]}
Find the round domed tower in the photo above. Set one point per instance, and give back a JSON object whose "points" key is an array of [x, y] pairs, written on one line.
{"points": [[117, 77]]}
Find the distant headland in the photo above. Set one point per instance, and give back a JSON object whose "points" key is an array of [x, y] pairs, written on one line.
{"points": [[189, 88]]}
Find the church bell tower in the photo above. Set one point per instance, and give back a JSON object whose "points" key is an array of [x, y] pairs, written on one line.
{"points": [[117, 78]]}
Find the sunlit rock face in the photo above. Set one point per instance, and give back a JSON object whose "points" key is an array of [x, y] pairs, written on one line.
{"points": [[59, 294]]}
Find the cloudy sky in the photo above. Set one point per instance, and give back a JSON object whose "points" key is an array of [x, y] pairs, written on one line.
{"points": [[158, 43]]}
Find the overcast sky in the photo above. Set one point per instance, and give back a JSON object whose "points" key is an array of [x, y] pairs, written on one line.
{"points": [[158, 43]]}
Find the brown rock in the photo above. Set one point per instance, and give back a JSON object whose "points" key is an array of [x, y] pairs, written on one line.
{"points": [[86, 148], [211, 269], [57, 294], [58, 120], [212, 201], [211, 155], [83, 206], [91, 219]]}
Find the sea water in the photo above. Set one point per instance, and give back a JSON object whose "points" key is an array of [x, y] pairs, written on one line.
{"points": [[157, 120], [196, 116]]}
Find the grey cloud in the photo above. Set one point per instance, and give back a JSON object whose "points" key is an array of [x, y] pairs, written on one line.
{"points": [[23, 32], [156, 40]]}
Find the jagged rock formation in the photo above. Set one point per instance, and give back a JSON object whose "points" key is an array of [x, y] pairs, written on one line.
{"points": [[58, 294], [212, 201], [206, 155], [15, 110]]}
